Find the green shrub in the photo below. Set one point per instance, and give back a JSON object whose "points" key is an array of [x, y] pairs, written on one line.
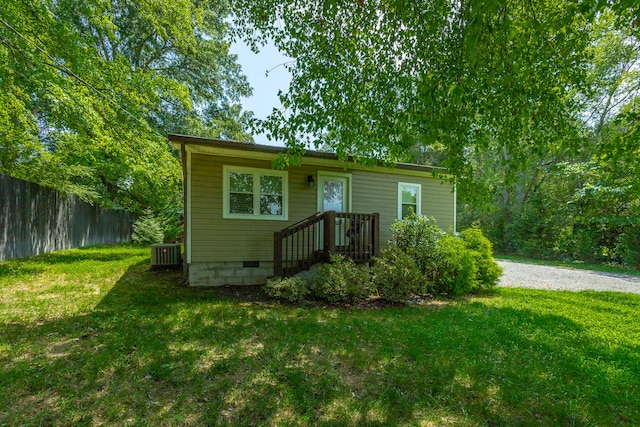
{"points": [[147, 229], [396, 275], [488, 270], [417, 236], [583, 244], [292, 289], [342, 280], [455, 269], [172, 224], [448, 266], [628, 246]]}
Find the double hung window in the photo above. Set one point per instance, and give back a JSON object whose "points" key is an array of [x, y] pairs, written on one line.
{"points": [[409, 199], [251, 193]]}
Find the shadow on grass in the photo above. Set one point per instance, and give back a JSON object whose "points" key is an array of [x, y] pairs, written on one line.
{"points": [[152, 352]]}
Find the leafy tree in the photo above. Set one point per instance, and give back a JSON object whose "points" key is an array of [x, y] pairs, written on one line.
{"points": [[550, 203], [89, 90], [522, 100], [607, 204], [374, 79]]}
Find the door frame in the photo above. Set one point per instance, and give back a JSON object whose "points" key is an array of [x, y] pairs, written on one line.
{"points": [[320, 194]]}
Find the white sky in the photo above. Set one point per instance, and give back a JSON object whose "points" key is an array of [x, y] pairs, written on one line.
{"points": [[265, 87]]}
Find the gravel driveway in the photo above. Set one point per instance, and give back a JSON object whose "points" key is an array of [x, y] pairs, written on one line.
{"points": [[524, 275]]}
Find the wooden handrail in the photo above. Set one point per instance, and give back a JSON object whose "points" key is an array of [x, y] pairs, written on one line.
{"points": [[315, 238], [317, 217]]}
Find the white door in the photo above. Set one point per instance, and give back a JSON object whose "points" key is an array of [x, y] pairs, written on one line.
{"points": [[334, 195]]}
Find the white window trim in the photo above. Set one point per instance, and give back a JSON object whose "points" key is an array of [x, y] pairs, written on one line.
{"points": [[226, 170], [418, 198]]}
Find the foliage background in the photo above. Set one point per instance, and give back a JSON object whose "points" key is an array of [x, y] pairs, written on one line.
{"points": [[533, 105], [90, 89]]}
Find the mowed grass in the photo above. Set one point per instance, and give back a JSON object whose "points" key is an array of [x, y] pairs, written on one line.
{"points": [[91, 337]]}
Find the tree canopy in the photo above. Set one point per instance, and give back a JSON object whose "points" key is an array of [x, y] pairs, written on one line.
{"points": [[88, 91], [374, 79], [532, 104], [576, 201]]}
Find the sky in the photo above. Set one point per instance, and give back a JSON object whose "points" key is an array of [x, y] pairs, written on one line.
{"points": [[265, 87]]}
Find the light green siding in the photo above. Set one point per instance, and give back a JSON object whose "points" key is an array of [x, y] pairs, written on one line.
{"points": [[378, 192], [214, 239]]}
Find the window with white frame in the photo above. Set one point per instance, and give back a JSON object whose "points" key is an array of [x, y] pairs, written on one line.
{"points": [[409, 199], [251, 193]]}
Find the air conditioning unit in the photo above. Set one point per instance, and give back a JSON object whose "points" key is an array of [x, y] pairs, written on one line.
{"points": [[166, 255]]}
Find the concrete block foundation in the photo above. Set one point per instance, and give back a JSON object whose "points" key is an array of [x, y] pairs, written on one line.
{"points": [[229, 273]]}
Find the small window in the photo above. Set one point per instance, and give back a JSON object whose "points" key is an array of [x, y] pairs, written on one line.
{"points": [[409, 197], [251, 193]]}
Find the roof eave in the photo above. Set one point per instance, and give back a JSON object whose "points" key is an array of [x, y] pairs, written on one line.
{"points": [[177, 141]]}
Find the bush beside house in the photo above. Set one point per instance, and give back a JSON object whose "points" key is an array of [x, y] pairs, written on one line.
{"points": [[165, 227], [343, 281], [488, 271], [291, 289], [396, 276], [147, 230], [421, 259]]}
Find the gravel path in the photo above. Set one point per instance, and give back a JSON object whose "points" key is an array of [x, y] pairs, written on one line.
{"points": [[523, 275]]}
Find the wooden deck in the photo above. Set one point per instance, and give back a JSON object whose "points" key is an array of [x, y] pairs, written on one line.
{"points": [[316, 238]]}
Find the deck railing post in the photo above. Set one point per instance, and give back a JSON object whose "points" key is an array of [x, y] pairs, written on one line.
{"points": [[277, 254], [354, 236], [329, 234], [375, 232]]}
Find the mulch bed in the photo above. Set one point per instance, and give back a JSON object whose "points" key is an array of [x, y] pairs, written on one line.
{"points": [[246, 293]]}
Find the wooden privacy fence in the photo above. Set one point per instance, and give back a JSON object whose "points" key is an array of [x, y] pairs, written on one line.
{"points": [[36, 219]]}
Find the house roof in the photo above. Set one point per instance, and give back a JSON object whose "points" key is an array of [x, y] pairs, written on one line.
{"points": [[225, 147]]}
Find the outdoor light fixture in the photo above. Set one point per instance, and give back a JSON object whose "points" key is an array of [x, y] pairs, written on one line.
{"points": [[310, 181]]}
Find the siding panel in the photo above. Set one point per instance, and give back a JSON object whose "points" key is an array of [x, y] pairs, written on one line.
{"points": [[217, 239], [378, 192]]}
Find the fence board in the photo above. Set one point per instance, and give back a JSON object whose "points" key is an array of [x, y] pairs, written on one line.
{"points": [[36, 219]]}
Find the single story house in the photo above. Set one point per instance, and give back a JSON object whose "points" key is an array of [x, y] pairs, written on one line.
{"points": [[246, 221]]}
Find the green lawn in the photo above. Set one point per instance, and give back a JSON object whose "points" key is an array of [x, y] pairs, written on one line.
{"points": [[90, 337]]}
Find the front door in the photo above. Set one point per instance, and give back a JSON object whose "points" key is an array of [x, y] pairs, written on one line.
{"points": [[333, 195], [334, 191]]}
